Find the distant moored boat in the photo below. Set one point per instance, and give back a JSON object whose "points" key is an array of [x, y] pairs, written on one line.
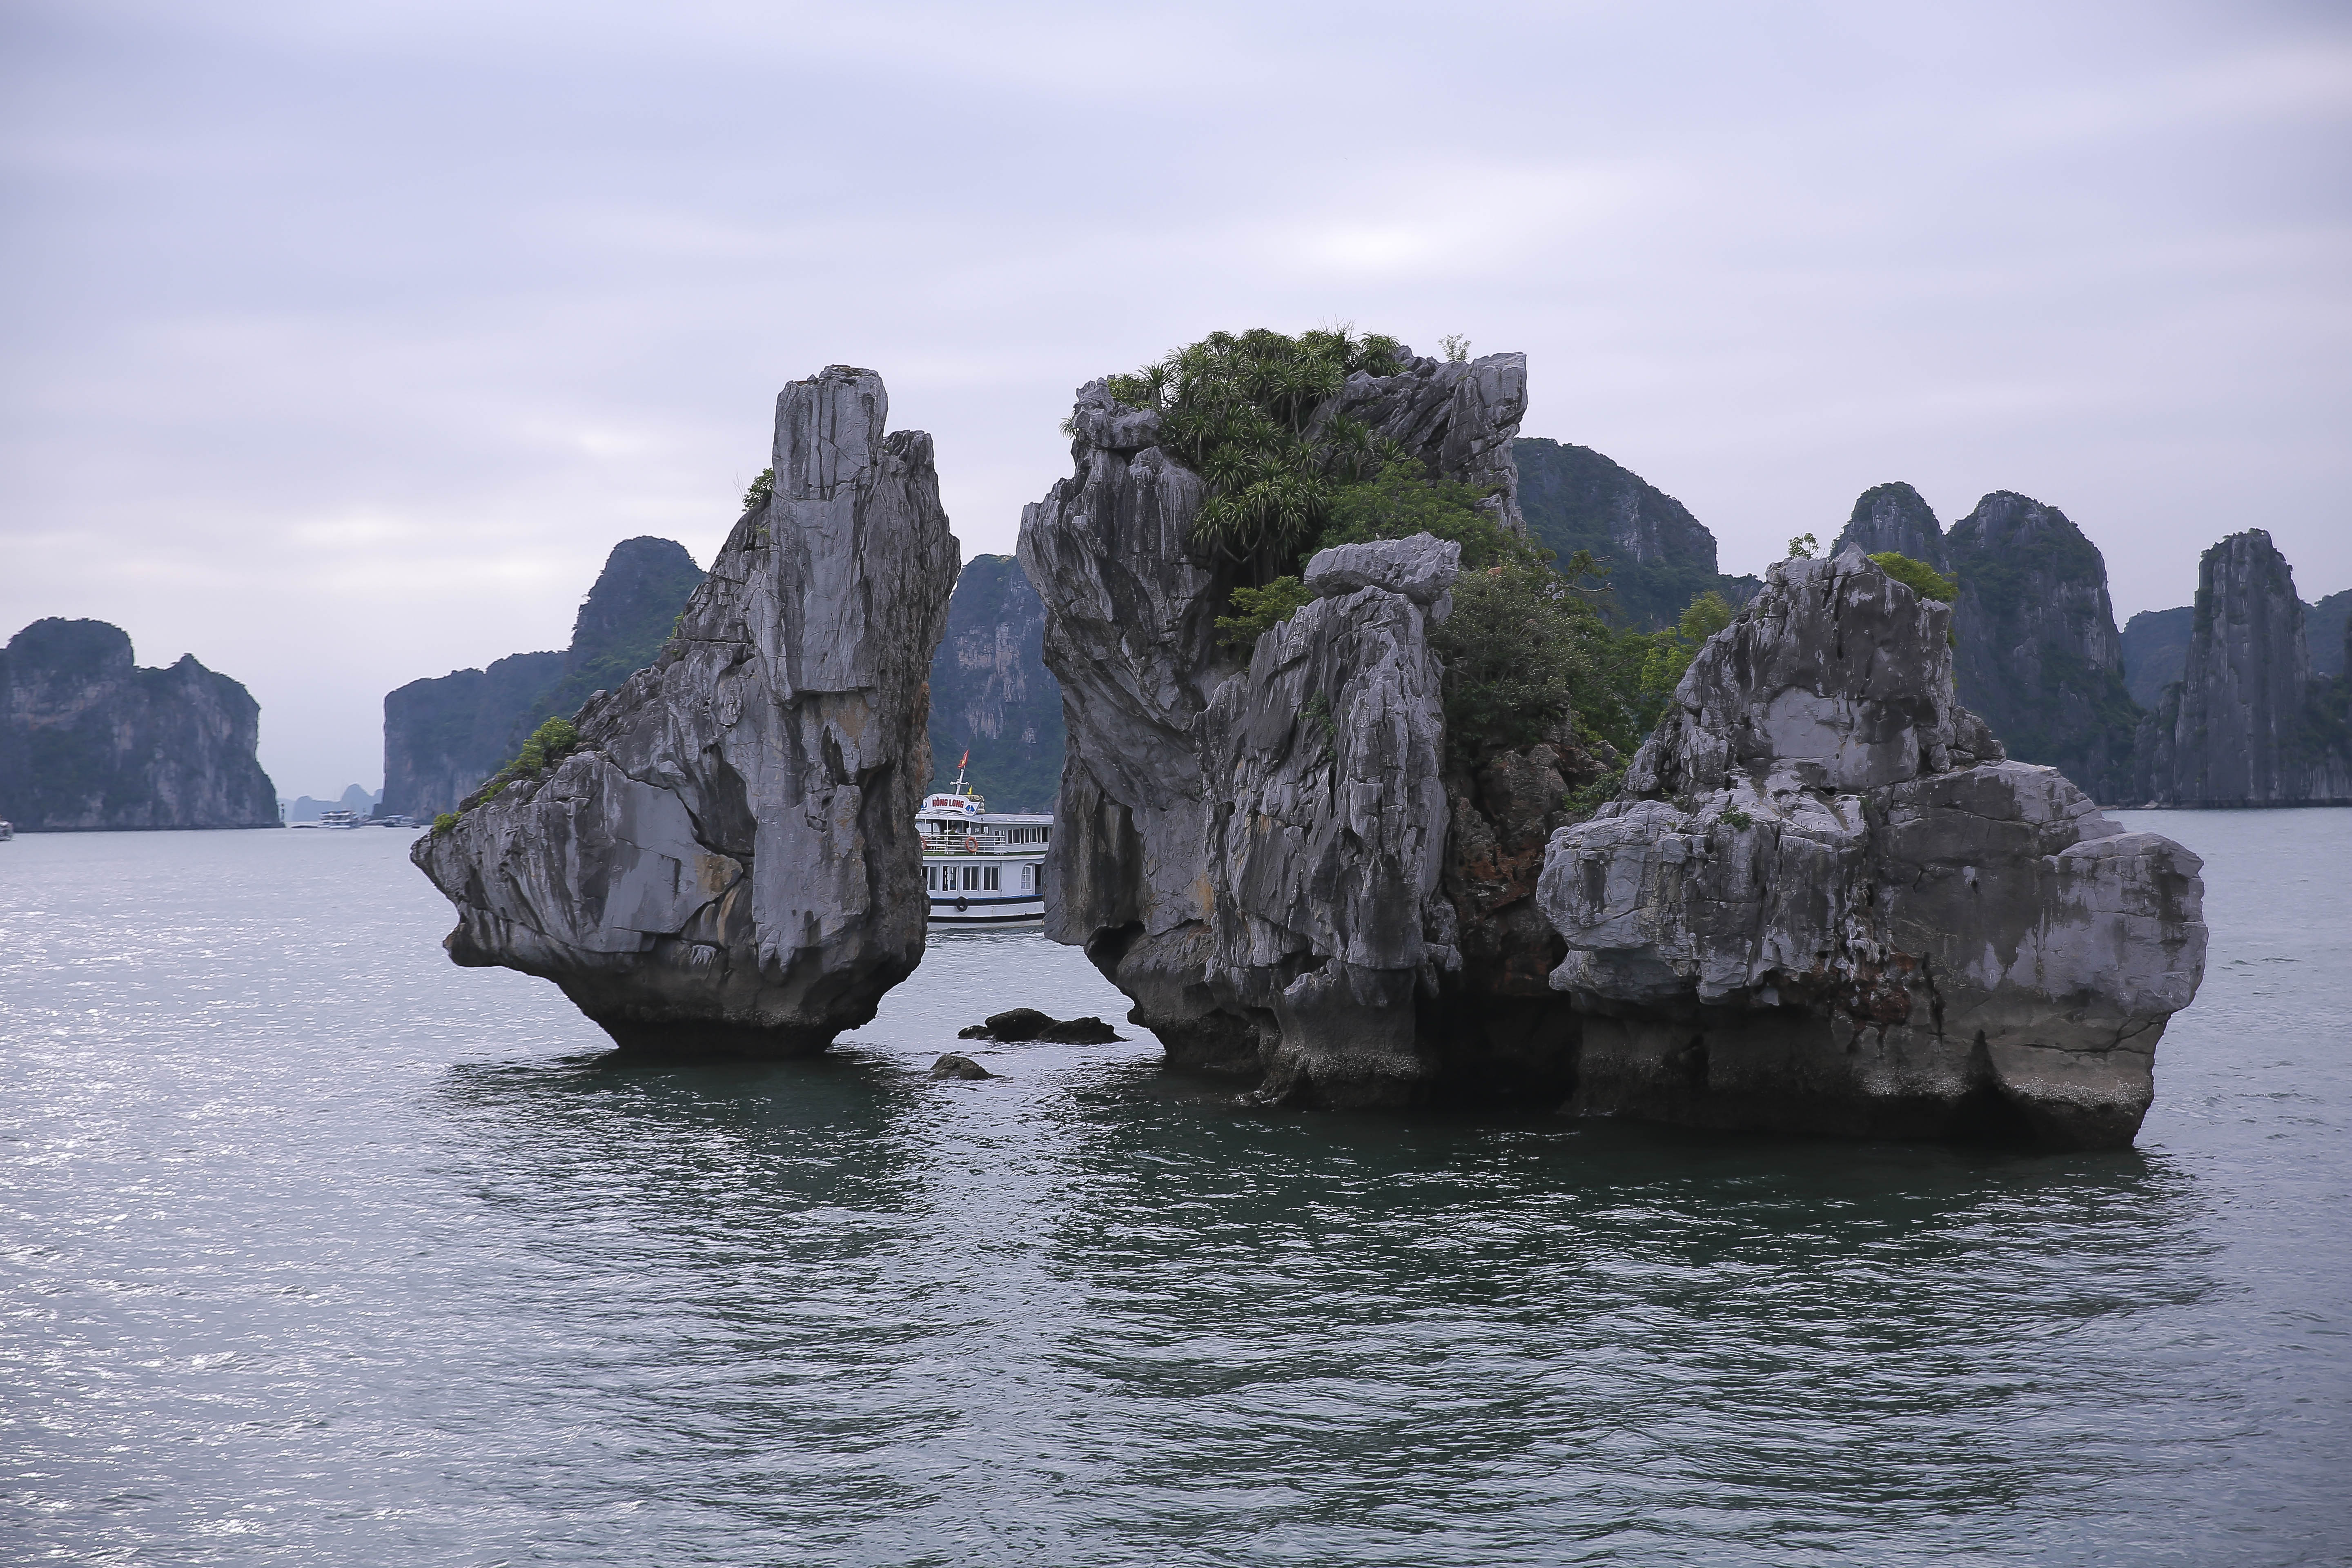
{"points": [[982, 868]]}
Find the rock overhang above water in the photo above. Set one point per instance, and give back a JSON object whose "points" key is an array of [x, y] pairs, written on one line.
{"points": [[729, 864], [1827, 903]]}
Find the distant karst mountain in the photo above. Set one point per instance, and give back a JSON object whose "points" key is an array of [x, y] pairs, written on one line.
{"points": [[2155, 644], [88, 739], [2038, 657], [356, 798], [1660, 557], [991, 693], [444, 736], [2154, 647], [2250, 722]]}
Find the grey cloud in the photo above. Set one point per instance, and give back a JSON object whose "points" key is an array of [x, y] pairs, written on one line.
{"points": [[342, 343]]}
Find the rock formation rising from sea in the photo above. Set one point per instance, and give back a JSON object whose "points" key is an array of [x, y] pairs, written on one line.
{"points": [[728, 862], [443, 736], [88, 739], [1253, 852], [2039, 655], [1826, 903], [2248, 722]]}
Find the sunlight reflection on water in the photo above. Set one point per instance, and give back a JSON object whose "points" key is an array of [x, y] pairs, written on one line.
{"points": [[320, 1249]]}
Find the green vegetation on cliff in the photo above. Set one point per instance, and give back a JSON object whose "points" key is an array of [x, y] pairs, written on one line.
{"points": [[1525, 646], [1235, 408], [1918, 575]]}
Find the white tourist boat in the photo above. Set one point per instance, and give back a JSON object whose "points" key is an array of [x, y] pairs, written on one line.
{"points": [[982, 868], [333, 819]]}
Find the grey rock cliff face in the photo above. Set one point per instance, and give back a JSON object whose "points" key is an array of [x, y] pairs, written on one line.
{"points": [[2248, 723], [1328, 836], [1827, 903], [2040, 657], [991, 694], [1458, 417], [729, 862], [2328, 626], [90, 741], [1252, 853], [2039, 653], [2155, 649], [443, 736], [1898, 517]]}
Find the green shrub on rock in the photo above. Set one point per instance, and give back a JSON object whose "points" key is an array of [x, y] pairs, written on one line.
{"points": [[1258, 611], [1672, 650], [762, 488], [1234, 409], [1918, 575]]}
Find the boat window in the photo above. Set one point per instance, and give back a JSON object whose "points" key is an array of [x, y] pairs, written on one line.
{"points": [[1028, 878], [992, 878]]}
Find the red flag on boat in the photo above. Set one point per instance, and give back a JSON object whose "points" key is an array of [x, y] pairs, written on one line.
{"points": [[965, 758]]}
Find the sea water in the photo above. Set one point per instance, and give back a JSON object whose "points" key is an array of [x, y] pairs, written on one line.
{"points": [[315, 1249]]}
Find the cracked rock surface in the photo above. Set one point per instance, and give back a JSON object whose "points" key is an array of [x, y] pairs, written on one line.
{"points": [[1826, 902], [729, 863], [1252, 852]]}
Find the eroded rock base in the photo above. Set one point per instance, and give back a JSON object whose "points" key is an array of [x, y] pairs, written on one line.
{"points": [[693, 1039], [1787, 1070]]}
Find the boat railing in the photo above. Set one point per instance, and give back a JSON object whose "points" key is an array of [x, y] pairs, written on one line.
{"points": [[971, 841]]}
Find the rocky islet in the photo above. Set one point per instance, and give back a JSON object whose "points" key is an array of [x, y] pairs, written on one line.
{"points": [[1828, 903], [2250, 723], [1269, 858], [89, 741], [726, 863], [1825, 900]]}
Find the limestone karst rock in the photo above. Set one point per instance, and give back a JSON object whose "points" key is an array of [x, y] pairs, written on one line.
{"points": [[2328, 626], [1825, 901], [991, 692], [1898, 517], [2155, 644], [1252, 852], [1660, 557], [447, 733], [88, 739], [1459, 419], [2039, 655], [443, 736], [1329, 833], [2248, 723], [729, 862]]}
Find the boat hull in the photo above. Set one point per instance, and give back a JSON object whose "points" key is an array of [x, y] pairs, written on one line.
{"points": [[986, 908]]}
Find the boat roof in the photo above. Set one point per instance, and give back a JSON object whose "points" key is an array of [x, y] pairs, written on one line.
{"points": [[999, 818]]}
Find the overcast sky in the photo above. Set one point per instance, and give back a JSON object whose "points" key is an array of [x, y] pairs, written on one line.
{"points": [[343, 341]]}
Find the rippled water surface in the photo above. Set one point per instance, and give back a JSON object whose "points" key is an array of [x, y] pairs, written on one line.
{"points": [[317, 1250]]}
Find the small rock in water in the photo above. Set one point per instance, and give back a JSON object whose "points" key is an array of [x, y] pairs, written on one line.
{"points": [[974, 1032], [1018, 1024], [953, 1066], [1080, 1032]]}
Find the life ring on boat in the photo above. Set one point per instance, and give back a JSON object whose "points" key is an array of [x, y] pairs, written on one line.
{"points": [[972, 843], [963, 904]]}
